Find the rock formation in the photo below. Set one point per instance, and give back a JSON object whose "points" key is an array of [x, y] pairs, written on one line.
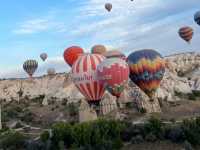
{"points": [[182, 75]]}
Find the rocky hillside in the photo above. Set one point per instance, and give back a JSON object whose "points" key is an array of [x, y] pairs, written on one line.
{"points": [[182, 76]]}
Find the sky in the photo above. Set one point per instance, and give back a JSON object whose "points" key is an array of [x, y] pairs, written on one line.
{"points": [[28, 28]]}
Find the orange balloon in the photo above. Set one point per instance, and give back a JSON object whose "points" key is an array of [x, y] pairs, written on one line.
{"points": [[71, 54], [98, 49]]}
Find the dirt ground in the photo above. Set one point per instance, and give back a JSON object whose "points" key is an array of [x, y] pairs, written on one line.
{"points": [[182, 110]]}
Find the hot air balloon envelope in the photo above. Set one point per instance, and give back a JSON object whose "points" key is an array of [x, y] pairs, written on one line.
{"points": [[71, 54], [30, 66], [98, 49], [147, 69], [114, 54], [84, 74], [43, 56], [108, 6], [186, 33], [197, 17], [114, 73]]}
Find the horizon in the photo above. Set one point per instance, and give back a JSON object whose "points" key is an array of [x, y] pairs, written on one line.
{"points": [[31, 28]]}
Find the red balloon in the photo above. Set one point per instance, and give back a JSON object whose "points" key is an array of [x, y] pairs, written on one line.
{"points": [[71, 54], [84, 74], [114, 73]]}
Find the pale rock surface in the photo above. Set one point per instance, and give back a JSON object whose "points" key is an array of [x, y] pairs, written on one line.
{"points": [[60, 86]]}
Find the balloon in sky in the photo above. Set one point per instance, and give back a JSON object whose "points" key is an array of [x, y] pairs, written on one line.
{"points": [[147, 69], [108, 6], [114, 73], [84, 74], [71, 54], [186, 33], [114, 54], [30, 66], [43, 56], [51, 71], [197, 17], [98, 49]]}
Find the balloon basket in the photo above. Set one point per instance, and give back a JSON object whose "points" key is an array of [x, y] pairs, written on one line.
{"points": [[96, 106]]}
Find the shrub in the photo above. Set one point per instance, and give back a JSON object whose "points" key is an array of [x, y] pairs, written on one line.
{"points": [[191, 96], [44, 136], [100, 134], [174, 133], [191, 130], [27, 116], [196, 93], [34, 145], [137, 139], [155, 127], [62, 132], [150, 137], [73, 109], [143, 110], [12, 140]]}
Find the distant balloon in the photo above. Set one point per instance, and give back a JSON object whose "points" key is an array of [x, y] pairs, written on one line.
{"points": [[30, 66], [197, 17], [43, 56], [186, 33], [108, 6], [71, 54], [98, 49], [84, 75], [51, 71], [114, 73], [114, 54], [147, 69]]}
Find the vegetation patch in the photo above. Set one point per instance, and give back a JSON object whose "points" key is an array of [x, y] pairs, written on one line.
{"points": [[195, 95]]}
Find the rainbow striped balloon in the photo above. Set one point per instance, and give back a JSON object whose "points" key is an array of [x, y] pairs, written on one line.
{"points": [[84, 74], [147, 69]]}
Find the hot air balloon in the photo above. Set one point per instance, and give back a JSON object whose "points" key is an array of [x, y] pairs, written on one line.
{"points": [[51, 71], [186, 33], [147, 69], [114, 73], [71, 54], [98, 49], [197, 17], [108, 6], [43, 56], [30, 66], [114, 54], [84, 75]]}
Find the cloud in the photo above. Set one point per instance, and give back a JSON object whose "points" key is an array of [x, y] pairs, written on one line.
{"points": [[39, 25], [137, 24], [129, 26]]}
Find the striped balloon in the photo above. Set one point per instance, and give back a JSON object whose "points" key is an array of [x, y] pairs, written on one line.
{"points": [[84, 74], [147, 69], [186, 33], [197, 17], [114, 73], [30, 66]]}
